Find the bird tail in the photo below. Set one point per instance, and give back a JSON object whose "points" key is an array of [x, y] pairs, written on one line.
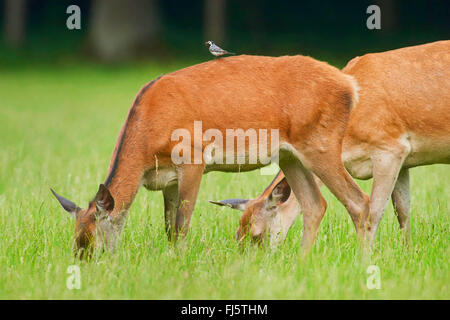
{"points": [[230, 53]]}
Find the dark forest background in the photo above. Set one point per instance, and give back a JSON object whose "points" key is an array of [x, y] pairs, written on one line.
{"points": [[120, 31]]}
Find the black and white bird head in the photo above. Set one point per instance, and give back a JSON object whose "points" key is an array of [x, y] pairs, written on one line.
{"points": [[209, 43]]}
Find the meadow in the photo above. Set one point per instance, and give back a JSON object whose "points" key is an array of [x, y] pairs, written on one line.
{"points": [[58, 126]]}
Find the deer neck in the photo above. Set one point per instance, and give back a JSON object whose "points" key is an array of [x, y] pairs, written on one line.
{"points": [[127, 161]]}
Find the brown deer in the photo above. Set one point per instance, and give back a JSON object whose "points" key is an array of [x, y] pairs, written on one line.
{"points": [[402, 120], [308, 101]]}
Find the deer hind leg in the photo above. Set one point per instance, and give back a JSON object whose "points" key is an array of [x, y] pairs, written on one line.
{"points": [[386, 168], [308, 194], [189, 178], [329, 168], [400, 201], [170, 194]]}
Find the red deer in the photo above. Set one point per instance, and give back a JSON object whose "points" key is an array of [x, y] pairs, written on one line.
{"points": [[308, 101], [402, 120]]}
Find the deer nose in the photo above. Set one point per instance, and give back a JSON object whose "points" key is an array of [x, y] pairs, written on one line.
{"points": [[83, 253], [257, 239], [83, 247]]}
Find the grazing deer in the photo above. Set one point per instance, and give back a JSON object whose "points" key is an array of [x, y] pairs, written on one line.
{"points": [[308, 101], [402, 120]]}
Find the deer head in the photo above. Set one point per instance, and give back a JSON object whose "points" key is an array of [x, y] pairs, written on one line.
{"points": [[95, 227], [264, 215]]}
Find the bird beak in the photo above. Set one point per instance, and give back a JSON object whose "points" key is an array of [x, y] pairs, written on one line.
{"points": [[206, 43]]}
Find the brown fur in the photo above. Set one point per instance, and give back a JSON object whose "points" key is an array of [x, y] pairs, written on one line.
{"points": [[307, 100], [403, 115]]}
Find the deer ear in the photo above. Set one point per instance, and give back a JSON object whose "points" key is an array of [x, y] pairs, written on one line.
{"points": [[67, 205], [238, 204], [104, 199], [279, 194]]}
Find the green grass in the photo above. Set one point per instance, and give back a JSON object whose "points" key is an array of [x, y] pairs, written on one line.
{"points": [[58, 126]]}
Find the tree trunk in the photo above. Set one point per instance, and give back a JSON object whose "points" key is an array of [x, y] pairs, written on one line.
{"points": [[15, 22], [121, 29], [214, 20]]}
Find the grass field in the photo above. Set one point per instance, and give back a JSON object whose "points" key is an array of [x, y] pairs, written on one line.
{"points": [[58, 127]]}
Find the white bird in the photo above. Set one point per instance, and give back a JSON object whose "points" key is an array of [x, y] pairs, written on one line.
{"points": [[216, 50]]}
